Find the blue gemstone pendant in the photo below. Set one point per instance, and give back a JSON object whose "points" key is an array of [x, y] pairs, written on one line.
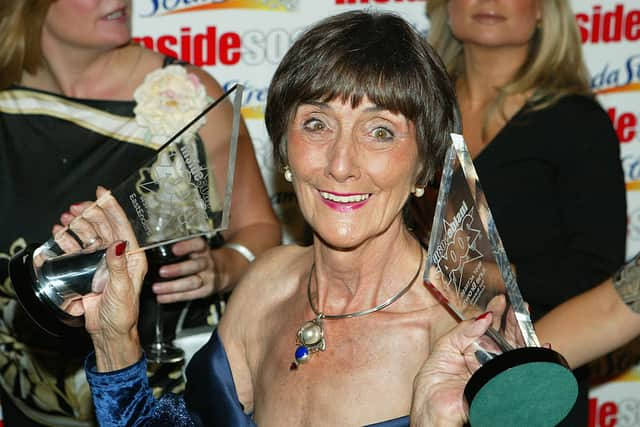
{"points": [[302, 354], [310, 339]]}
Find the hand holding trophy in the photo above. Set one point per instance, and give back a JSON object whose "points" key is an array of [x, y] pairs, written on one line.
{"points": [[174, 196], [517, 382]]}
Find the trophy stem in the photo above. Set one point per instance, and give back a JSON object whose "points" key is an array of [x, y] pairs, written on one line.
{"points": [[160, 350]]}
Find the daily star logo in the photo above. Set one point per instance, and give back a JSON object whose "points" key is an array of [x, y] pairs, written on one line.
{"points": [[457, 249], [170, 7]]}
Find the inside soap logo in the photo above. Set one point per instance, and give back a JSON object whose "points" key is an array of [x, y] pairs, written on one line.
{"points": [[169, 7]]}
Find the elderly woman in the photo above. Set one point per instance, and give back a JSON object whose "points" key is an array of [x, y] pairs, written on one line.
{"points": [[359, 110]]}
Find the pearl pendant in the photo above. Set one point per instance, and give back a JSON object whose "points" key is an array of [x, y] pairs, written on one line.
{"points": [[310, 339]]}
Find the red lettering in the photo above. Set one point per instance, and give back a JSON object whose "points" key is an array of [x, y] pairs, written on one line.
{"points": [[185, 44], [613, 25], [625, 125], [200, 49], [603, 416], [229, 48], [612, 21], [595, 25], [162, 47], [205, 44], [583, 18], [608, 412], [632, 30]]}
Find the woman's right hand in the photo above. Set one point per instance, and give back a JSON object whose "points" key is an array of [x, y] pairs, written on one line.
{"points": [[110, 316]]}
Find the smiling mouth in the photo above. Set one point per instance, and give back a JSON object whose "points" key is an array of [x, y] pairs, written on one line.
{"points": [[352, 198], [115, 15]]}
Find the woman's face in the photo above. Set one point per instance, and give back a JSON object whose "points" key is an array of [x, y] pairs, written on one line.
{"points": [[88, 23], [494, 23], [353, 168]]}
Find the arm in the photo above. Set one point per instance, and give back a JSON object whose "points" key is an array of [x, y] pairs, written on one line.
{"points": [[589, 174], [253, 223], [123, 397], [117, 371], [597, 321]]}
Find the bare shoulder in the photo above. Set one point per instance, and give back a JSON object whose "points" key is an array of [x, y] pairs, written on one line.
{"points": [[276, 269], [270, 280], [148, 61]]}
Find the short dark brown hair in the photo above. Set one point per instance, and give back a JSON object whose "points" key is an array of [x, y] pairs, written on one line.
{"points": [[377, 55]]}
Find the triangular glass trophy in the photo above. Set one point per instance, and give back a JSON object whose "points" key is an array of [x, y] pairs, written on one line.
{"points": [[518, 382], [176, 195]]}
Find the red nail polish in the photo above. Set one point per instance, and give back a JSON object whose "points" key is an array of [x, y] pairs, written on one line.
{"points": [[483, 315], [120, 247]]}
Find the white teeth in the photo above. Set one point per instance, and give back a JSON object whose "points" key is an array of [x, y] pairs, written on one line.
{"points": [[344, 199], [116, 15]]}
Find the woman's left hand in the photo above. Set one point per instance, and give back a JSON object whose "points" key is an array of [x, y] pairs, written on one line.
{"points": [[438, 388], [187, 280], [190, 279]]}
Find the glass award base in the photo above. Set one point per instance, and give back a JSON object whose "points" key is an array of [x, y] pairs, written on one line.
{"points": [[34, 300], [529, 386], [163, 353]]}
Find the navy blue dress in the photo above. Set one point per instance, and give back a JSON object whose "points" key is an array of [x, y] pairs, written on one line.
{"points": [[123, 398]]}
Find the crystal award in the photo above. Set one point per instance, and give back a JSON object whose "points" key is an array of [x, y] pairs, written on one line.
{"points": [[518, 382], [176, 195]]}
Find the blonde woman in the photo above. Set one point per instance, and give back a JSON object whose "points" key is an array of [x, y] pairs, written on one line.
{"points": [[545, 151]]}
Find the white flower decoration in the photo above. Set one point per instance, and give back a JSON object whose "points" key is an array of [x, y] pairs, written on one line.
{"points": [[168, 99]]}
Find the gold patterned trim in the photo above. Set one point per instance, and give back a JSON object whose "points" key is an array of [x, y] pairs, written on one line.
{"points": [[19, 101]]}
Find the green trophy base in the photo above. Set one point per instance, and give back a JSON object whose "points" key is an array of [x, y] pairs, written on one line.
{"points": [[530, 386]]}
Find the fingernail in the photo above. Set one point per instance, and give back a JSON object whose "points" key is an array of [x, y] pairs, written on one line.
{"points": [[120, 247], [483, 315]]}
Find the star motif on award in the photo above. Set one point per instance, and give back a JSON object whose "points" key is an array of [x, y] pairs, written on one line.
{"points": [[461, 247]]}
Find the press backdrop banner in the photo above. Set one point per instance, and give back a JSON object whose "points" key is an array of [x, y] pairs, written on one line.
{"points": [[242, 41]]}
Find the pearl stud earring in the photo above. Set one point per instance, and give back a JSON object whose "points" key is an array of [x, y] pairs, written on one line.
{"points": [[288, 176]]}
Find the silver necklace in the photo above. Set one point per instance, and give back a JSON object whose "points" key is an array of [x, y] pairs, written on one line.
{"points": [[310, 337]]}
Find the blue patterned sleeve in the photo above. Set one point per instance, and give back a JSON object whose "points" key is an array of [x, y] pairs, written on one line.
{"points": [[123, 398]]}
